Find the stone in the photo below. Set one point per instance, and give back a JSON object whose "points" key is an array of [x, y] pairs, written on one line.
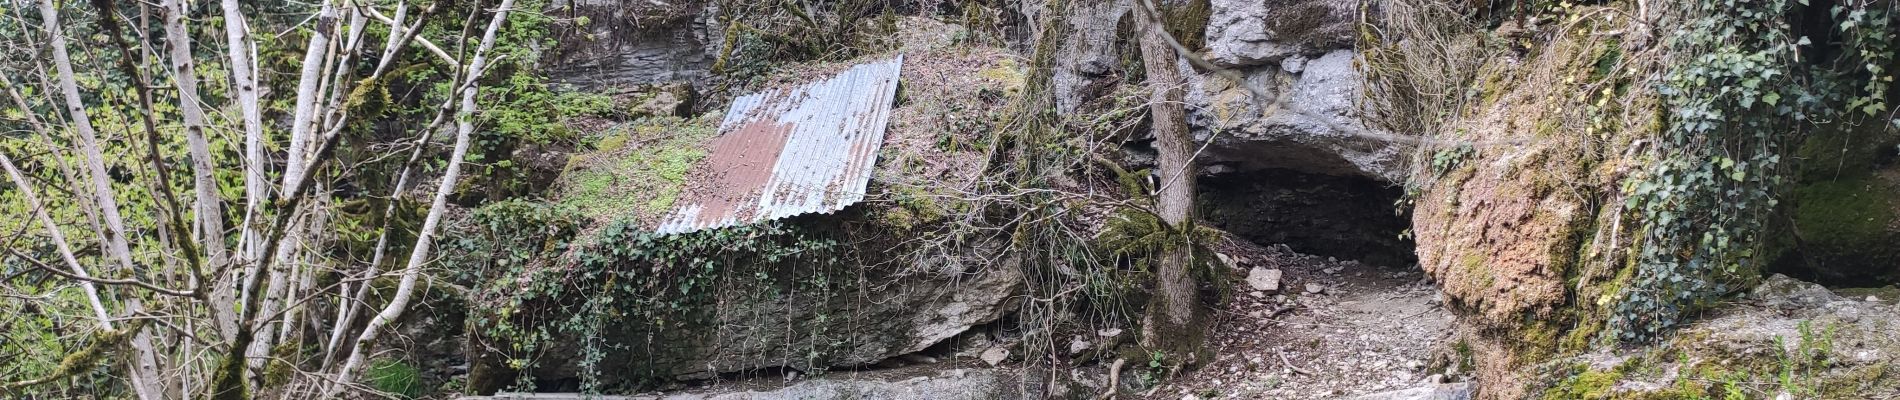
{"points": [[1226, 260], [1314, 288], [1316, 128], [1872, 298], [951, 385], [1255, 32], [995, 355], [1443, 391], [1077, 345], [1332, 271], [1293, 64], [1264, 279], [662, 104]]}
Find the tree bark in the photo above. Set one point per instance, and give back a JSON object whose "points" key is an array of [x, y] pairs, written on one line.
{"points": [[210, 217], [238, 48], [144, 368], [1171, 323], [464, 127]]}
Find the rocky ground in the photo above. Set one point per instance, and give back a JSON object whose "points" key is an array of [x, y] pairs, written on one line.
{"points": [[1332, 329]]}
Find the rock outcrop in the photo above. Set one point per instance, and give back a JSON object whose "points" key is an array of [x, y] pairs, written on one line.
{"points": [[614, 43], [1310, 125], [1297, 51], [1300, 52], [1785, 338], [1243, 33]]}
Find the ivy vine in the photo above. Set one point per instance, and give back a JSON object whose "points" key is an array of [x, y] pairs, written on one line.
{"points": [[1739, 94]]}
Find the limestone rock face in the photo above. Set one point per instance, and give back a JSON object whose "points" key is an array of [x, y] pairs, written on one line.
{"points": [[1088, 60], [1253, 32], [1310, 126]]}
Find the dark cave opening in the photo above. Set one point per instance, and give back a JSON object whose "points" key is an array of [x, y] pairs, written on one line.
{"points": [[1347, 217]]}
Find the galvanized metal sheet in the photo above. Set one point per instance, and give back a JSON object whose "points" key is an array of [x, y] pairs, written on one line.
{"points": [[793, 151]]}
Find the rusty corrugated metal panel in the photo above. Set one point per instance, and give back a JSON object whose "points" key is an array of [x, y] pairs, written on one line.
{"points": [[786, 152]]}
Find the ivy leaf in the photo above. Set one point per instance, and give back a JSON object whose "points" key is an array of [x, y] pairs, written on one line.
{"points": [[1771, 98]]}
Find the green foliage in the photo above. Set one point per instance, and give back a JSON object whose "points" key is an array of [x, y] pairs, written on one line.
{"points": [[394, 377], [1739, 97], [556, 281]]}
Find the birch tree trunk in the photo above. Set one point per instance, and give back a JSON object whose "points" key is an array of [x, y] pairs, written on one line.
{"points": [[303, 120], [239, 48], [464, 127], [1171, 323], [210, 217], [144, 368]]}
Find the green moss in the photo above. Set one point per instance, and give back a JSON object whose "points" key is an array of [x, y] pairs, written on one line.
{"points": [[1587, 385], [648, 162], [1472, 264], [1537, 339], [1847, 224], [1007, 73]]}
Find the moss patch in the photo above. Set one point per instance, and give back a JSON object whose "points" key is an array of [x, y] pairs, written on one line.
{"points": [[637, 170], [1587, 385], [1847, 227]]}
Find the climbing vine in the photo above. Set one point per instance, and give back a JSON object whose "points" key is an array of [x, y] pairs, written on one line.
{"points": [[545, 286], [1738, 95]]}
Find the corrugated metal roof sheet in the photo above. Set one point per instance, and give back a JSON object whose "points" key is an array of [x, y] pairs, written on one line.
{"points": [[791, 151]]}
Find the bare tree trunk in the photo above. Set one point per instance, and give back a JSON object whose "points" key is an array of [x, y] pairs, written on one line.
{"points": [[464, 127], [303, 117], [144, 368], [296, 158], [239, 48], [1171, 322], [210, 217]]}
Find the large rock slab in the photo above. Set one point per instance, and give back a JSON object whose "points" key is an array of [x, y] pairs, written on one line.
{"points": [[783, 322], [1311, 124]]}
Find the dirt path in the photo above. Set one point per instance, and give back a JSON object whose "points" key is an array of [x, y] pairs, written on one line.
{"points": [[1360, 329]]}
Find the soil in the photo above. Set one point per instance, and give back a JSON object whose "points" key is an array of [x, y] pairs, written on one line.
{"points": [[1370, 329]]}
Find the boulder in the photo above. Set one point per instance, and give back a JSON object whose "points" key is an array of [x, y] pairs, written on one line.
{"points": [[757, 324]]}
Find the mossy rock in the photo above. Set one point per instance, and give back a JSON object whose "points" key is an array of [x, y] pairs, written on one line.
{"points": [[1847, 229]]}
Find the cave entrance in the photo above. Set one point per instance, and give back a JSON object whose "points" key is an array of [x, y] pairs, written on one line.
{"points": [[1347, 217]]}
